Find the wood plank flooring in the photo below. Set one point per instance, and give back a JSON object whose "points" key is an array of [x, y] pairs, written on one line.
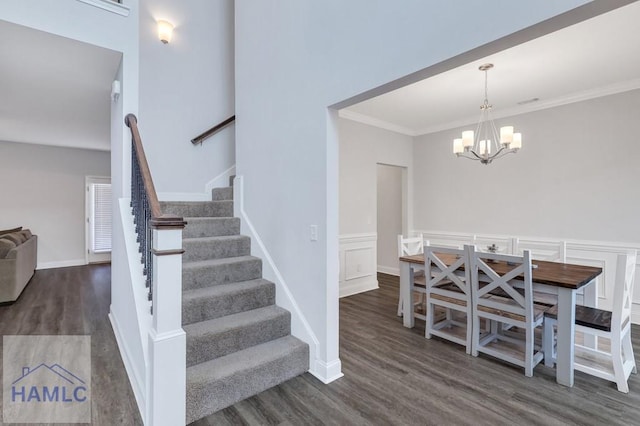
{"points": [[393, 375], [75, 301]]}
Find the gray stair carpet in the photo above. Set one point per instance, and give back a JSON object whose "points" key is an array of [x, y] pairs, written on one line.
{"points": [[239, 342]]}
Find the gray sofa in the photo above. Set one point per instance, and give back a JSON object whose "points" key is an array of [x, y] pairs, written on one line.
{"points": [[18, 258]]}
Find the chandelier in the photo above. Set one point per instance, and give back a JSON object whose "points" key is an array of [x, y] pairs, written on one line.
{"points": [[486, 143]]}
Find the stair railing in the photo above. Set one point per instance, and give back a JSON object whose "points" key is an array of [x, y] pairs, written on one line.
{"points": [[212, 131], [145, 206], [160, 244]]}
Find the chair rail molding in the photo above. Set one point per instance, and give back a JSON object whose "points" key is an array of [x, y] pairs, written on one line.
{"points": [[109, 6], [358, 263], [592, 253]]}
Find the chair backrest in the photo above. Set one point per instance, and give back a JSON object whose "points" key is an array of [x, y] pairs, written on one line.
{"points": [[552, 251], [623, 290], [411, 245], [501, 274], [443, 264]]}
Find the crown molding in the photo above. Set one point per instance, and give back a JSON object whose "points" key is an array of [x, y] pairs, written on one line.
{"points": [[612, 89], [366, 119]]}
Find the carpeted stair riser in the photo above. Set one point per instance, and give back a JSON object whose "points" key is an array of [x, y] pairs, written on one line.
{"points": [[215, 302], [199, 227], [198, 208], [220, 271], [212, 339], [222, 194], [216, 384], [215, 247]]}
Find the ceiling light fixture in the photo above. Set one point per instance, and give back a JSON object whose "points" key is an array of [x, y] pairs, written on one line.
{"points": [[486, 144], [165, 31]]}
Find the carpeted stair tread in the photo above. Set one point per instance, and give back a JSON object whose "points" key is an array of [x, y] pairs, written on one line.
{"points": [[205, 273], [215, 247], [198, 208], [219, 383], [198, 227], [218, 337], [217, 301], [221, 194]]}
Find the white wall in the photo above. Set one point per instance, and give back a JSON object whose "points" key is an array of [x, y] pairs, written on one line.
{"points": [[576, 177], [389, 216], [294, 58], [362, 148], [186, 87], [44, 190]]}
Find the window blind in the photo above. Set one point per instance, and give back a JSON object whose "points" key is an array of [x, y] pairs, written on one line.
{"points": [[101, 217]]}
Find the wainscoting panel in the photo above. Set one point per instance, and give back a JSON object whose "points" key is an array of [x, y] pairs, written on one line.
{"points": [[358, 262], [591, 253]]}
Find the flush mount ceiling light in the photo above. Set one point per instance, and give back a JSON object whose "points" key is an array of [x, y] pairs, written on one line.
{"points": [[165, 31], [486, 144]]}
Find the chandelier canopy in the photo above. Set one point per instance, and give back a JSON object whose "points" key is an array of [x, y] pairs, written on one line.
{"points": [[486, 143]]}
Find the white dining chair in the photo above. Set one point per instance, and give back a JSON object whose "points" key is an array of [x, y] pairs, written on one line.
{"points": [[617, 362], [410, 246], [551, 251], [502, 293], [448, 287]]}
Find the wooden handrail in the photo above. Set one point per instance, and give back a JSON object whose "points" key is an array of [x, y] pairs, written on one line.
{"points": [[212, 131], [158, 219]]}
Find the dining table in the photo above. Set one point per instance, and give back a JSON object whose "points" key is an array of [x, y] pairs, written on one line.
{"points": [[561, 279]]}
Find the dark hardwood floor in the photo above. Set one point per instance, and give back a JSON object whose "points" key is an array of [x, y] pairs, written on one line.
{"points": [[393, 375], [75, 301]]}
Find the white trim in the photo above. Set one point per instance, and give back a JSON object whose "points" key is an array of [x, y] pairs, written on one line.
{"points": [[183, 196], [375, 122], [220, 181], [349, 289], [109, 5], [584, 95], [358, 238], [300, 327], [136, 384], [329, 371], [61, 264], [389, 270]]}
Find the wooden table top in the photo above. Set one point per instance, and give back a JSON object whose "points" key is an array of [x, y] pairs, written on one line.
{"points": [[557, 274]]}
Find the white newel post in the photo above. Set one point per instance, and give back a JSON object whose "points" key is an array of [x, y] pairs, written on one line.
{"points": [[167, 340]]}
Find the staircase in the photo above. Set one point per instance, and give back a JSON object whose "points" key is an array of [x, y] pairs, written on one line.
{"points": [[239, 342]]}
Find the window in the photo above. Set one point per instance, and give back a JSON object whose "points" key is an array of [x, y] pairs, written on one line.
{"points": [[100, 217]]}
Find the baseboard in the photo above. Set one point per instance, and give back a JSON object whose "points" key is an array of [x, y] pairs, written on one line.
{"points": [[389, 270], [220, 181], [132, 373], [327, 372], [183, 196], [61, 264], [359, 287]]}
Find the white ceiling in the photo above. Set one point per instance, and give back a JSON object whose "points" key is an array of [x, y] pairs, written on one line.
{"points": [[596, 57], [53, 90]]}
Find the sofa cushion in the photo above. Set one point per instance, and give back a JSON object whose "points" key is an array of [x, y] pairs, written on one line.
{"points": [[26, 233], [5, 246], [10, 231], [15, 237]]}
